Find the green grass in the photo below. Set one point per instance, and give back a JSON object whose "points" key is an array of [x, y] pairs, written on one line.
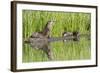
{"points": [[34, 21]]}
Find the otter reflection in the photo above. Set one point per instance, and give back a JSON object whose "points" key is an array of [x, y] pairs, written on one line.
{"points": [[43, 43]]}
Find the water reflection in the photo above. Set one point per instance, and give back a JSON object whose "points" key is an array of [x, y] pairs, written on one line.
{"points": [[54, 48]]}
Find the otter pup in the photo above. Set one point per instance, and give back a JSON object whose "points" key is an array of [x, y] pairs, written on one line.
{"points": [[74, 34]]}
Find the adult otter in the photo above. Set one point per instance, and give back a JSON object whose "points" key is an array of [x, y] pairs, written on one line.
{"points": [[39, 40], [45, 32]]}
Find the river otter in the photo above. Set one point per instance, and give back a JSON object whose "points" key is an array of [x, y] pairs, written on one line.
{"points": [[39, 40], [68, 34], [45, 32]]}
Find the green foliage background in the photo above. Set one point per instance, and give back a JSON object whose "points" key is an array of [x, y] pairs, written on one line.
{"points": [[34, 21]]}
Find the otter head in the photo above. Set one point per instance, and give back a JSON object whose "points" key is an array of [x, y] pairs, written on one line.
{"points": [[50, 23]]}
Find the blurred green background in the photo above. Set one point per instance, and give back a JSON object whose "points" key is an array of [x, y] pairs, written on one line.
{"points": [[34, 21]]}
